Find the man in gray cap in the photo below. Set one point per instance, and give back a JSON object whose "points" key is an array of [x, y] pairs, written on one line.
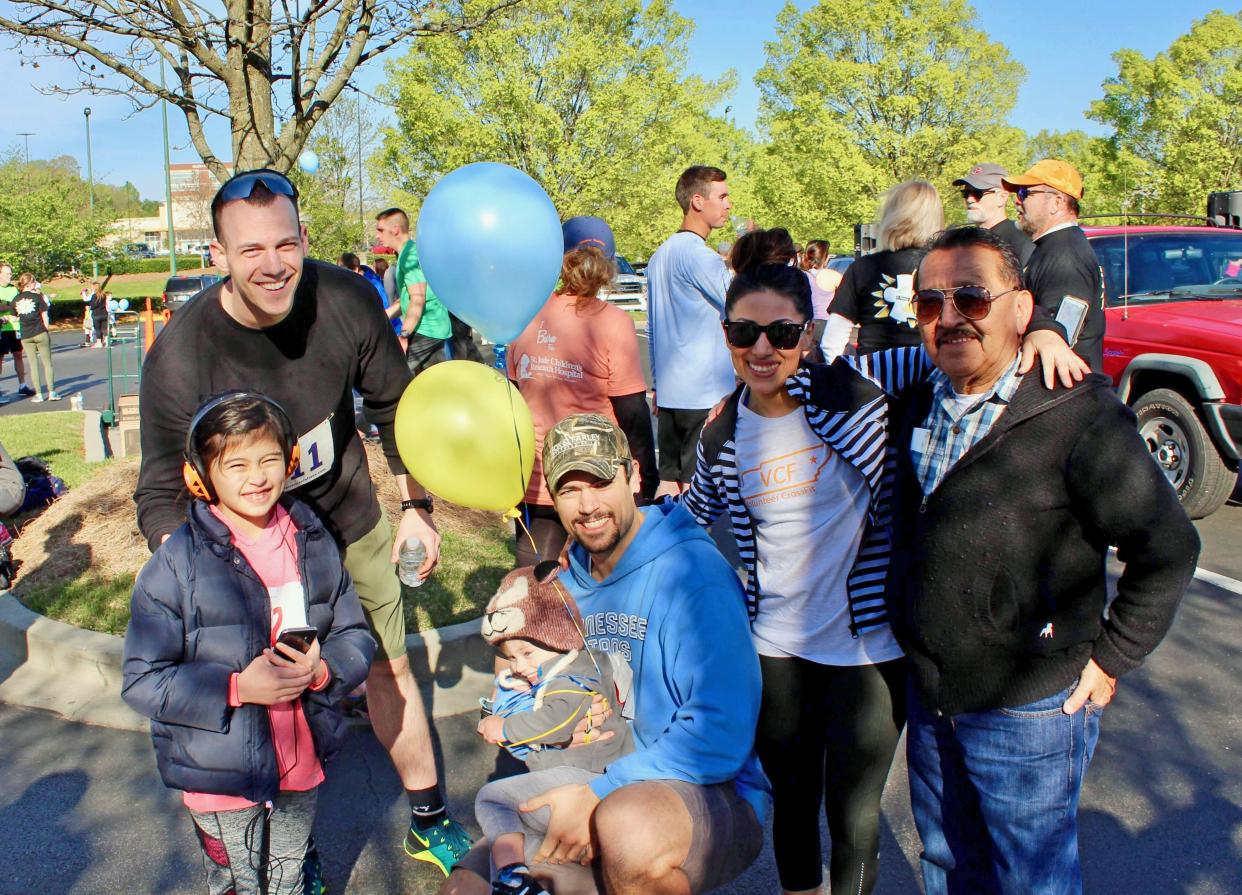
{"points": [[987, 202]]}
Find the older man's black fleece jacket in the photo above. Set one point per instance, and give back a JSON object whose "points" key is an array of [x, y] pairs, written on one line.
{"points": [[997, 585]]}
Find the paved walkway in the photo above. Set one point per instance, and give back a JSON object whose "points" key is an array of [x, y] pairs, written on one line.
{"points": [[82, 809]]}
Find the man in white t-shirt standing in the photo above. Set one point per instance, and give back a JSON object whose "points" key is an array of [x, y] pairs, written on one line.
{"points": [[686, 283]]}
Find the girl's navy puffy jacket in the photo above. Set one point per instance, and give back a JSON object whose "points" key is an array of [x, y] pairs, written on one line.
{"points": [[200, 613]]}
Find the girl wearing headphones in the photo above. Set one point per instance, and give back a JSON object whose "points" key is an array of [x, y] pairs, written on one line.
{"points": [[245, 633]]}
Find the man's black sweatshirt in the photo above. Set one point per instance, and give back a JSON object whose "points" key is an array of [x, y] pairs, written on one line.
{"points": [[997, 584], [335, 339], [1062, 264]]}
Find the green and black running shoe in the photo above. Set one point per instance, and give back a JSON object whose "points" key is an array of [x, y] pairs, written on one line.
{"points": [[443, 844]]}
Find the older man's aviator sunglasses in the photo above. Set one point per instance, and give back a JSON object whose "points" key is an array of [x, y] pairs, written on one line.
{"points": [[972, 302], [243, 185], [781, 333]]}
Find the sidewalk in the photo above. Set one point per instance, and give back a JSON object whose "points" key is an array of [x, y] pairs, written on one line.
{"points": [[82, 809]]}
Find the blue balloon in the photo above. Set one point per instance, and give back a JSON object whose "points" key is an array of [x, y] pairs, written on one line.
{"points": [[308, 162], [490, 244], [123, 304]]}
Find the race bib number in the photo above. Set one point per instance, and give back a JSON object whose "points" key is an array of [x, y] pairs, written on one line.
{"points": [[316, 454], [288, 607]]}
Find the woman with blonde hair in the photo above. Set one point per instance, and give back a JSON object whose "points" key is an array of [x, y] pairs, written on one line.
{"points": [[579, 355], [876, 290]]}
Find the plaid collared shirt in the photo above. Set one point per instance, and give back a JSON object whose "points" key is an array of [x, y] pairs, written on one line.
{"points": [[948, 433]]}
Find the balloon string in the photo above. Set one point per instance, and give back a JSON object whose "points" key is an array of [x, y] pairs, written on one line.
{"points": [[526, 531], [517, 437]]}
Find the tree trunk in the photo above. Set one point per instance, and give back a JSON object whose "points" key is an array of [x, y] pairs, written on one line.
{"points": [[249, 84]]}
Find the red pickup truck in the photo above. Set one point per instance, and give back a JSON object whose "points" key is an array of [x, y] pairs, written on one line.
{"points": [[1173, 346]]}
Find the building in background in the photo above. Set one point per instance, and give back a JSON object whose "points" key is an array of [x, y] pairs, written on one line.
{"points": [[193, 186]]}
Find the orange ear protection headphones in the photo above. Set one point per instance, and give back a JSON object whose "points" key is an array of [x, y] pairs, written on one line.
{"points": [[194, 471]]}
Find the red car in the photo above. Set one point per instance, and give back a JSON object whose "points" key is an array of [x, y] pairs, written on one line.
{"points": [[1173, 346]]}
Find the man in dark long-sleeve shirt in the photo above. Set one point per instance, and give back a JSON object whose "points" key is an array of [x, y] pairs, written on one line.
{"points": [[987, 204], [1063, 264], [305, 334]]}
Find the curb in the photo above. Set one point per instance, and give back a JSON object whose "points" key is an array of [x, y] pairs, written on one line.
{"points": [[76, 674]]}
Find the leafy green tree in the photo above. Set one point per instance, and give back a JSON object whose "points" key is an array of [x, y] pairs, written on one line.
{"points": [[328, 199], [857, 96], [591, 99], [1114, 180], [1176, 113], [45, 223]]}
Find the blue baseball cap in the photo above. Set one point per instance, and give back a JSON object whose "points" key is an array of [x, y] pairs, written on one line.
{"points": [[589, 230]]}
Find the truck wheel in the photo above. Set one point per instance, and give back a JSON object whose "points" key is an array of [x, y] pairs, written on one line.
{"points": [[1184, 451]]}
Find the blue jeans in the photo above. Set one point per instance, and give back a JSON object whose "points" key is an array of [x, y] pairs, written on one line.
{"points": [[995, 796]]}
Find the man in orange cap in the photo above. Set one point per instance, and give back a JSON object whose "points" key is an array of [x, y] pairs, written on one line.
{"points": [[1062, 273]]}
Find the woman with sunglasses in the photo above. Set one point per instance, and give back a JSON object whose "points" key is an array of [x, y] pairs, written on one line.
{"points": [[796, 456]]}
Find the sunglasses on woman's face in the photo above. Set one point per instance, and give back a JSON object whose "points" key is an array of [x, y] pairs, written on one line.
{"points": [[781, 333], [972, 302]]}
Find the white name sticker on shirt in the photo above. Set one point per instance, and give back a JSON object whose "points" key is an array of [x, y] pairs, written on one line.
{"points": [[316, 454], [919, 439], [288, 607]]}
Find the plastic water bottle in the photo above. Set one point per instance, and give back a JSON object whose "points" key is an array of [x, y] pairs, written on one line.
{"points": [[409, 560]]}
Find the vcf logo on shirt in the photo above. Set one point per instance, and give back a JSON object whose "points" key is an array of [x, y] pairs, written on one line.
{"points": [[783, 475]]}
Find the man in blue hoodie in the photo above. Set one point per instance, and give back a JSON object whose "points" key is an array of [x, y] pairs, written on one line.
{"points": [[683, 813]]}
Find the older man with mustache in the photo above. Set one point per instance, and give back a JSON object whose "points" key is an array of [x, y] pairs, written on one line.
{"points": [[1009, 496]]}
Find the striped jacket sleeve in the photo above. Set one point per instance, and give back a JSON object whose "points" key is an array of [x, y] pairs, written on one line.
{"points": [[894, 369], [703, 498]]}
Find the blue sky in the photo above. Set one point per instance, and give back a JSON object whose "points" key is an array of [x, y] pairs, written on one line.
{"points": [[1066, 46]]}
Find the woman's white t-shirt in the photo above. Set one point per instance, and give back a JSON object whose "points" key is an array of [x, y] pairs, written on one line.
{"points": [[809, 509]]}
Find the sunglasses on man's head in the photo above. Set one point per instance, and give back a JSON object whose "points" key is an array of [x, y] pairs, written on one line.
{"points": [[969, 192], [972, 302], [781, 333], [241, 186]]}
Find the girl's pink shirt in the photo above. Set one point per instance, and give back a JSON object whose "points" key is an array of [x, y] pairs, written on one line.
{"points": [[274, 557]]}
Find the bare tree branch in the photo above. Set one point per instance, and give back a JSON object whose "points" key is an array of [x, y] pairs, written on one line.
{"points": [[234, 49]]}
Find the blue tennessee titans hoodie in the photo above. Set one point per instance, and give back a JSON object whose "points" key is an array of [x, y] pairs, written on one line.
{"points": [[675, 611]]}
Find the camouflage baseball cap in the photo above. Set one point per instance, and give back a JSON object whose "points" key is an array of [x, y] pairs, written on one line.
{"points": [[584, 442]]}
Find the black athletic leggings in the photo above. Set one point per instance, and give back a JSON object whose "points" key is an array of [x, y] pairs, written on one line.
{"points": [[826, 737], [545, 528]]}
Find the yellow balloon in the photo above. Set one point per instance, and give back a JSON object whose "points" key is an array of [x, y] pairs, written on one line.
{"points": [[465, 432]]}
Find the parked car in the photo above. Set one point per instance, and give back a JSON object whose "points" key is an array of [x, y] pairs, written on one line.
{"points": [[138, 250], [179, 290], [628, 289], [1173, 347]]}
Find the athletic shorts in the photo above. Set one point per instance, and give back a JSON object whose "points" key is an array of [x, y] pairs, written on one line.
{"points": [[369, 563], [10, 343], [422, 352], [678, 440], [725, 839]]}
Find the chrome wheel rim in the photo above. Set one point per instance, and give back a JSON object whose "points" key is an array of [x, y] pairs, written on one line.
{"points": [[1169, 447]]}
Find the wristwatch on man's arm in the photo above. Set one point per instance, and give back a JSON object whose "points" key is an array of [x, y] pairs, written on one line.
{"points": [[419, 503]]}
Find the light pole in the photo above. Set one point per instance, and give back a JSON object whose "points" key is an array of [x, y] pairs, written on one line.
{"points": [[27, 135], [172, 234], [90, 178]]}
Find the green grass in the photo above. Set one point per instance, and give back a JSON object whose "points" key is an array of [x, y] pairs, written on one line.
{"points": [[55, 436], [471, 565], [88, 601], [469, 572]]}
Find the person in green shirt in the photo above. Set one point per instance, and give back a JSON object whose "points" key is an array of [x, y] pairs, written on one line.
{"points": [[10, 339], [425, 319]]}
